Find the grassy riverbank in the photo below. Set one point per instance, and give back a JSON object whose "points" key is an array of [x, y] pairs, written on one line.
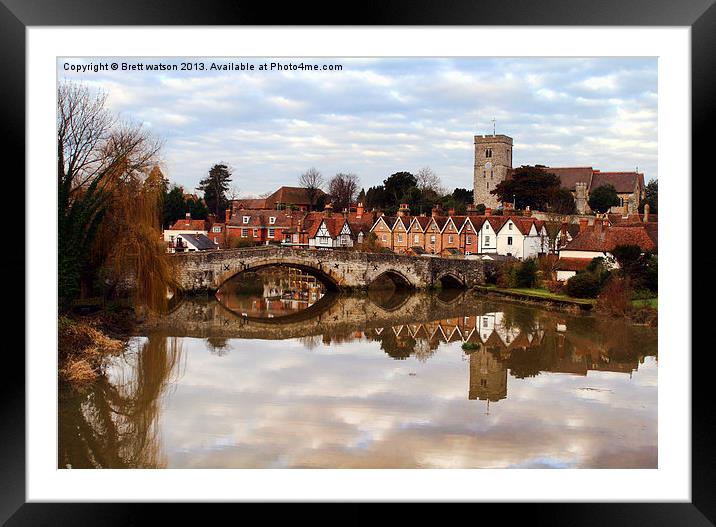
{"points": [[85, 342], [538, 294]]}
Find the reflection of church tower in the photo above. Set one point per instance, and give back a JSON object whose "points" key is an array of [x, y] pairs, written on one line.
{"points": [[493, 161], [488, 377]]}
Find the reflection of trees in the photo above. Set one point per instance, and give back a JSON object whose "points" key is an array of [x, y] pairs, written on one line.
{"points": [[218, 346], [113, 423]]}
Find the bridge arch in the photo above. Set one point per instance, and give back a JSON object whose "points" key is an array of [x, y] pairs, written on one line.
{"points": [[316, 270], [398, 279], [451, 280]]}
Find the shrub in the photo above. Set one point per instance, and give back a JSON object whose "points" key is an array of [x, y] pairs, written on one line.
{"points": [[554, 286], [526, 273], [616, 297], [583, 285], [506, 275]]}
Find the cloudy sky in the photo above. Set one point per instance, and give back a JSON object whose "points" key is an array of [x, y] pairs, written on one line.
{"points": [[379, 116]]}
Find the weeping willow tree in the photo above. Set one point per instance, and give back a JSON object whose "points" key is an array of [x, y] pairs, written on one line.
{"points": [[109, 201]]}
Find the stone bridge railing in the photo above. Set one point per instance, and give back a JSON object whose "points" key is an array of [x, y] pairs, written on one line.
{"points": [[208, 270]]}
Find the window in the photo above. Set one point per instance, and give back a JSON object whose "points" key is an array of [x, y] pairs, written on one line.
{"points": [[216, 240], [484, 322], [216, 229], [385, 238], [450, 239], [256, 233], [488, 152], [487, 240], [509, 226], [432, 239], [272, 232], [244, 233], [487, 226], [509, 240], [468, 239], [272, 220], [416, 239], [484, 173], [246, 219], [487, 185], [400, 238], [491, 173]]}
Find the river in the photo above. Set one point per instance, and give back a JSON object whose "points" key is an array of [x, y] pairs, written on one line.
{"points": [[284, 374]]}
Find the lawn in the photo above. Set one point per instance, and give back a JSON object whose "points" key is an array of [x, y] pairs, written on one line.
{"points": [[646, 302], [539, 292]]}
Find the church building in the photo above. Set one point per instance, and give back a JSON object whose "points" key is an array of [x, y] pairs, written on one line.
{"points": [[493, 164]]}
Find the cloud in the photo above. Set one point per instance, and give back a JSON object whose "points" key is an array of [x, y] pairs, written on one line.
{"points": [[378, 116]]}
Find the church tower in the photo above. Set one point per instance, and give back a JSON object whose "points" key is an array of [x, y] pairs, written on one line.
{"points": [[493, 161]]}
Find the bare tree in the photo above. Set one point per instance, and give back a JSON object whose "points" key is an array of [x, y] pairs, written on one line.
{"points": [[312, 181], [343, 189], [428, 180], [91, 144]]}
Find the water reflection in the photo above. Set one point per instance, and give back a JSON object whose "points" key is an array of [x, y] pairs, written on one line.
{"points": [[114, 423], [385, 379], [271, 292]]}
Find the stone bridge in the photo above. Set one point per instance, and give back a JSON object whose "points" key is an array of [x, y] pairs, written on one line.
{"points": [[337, 269]]}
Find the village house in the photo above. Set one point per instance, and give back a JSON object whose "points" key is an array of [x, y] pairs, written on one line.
{"points": [[401, 227], [187, 225], [416, 234], [188, 242], [598, 240], [259, 227], [297, 198], [383, 229]]}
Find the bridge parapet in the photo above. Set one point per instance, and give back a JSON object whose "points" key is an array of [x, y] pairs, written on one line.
{"points": [[208, 270]]}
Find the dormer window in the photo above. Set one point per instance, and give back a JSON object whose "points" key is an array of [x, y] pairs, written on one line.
{"points": [[246, 219], [272, 220]]}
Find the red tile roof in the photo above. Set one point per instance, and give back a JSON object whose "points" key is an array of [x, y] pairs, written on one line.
{"points": [[623, 182], [333, 224], [608, 238], [188, 225], [572, 175], [261, 218], [572, 264], [291, 195]]}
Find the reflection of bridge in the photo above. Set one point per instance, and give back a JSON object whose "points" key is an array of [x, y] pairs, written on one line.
{"points": [[201, 271]]}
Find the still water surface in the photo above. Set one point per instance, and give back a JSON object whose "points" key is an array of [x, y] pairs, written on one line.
{"points": [[288, 375]]}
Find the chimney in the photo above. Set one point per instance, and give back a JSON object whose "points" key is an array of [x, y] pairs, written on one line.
{"points": [[345, 213], [583, 222], [488, 211], [359, 210], [563, 233], [188, 219], [404, 210], [646, 213], [527, 212], [451, 212], [227, 216], [470, 208], [211, 219], [598, 225], [328, 210], [436, 210]]}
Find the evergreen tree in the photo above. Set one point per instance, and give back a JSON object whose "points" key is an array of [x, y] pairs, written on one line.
{"points": [[215, 187]]}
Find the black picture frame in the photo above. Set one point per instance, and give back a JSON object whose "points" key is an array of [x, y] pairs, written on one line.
{"points": [[16, 15]]}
